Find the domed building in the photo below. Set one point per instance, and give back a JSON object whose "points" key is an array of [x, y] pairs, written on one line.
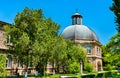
{"points": [[86, 37]]}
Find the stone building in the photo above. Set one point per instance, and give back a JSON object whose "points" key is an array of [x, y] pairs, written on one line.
{"points": [[77, 32], [12, 64], [86, 37]]}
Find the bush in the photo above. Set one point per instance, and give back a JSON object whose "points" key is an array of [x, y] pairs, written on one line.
{"points": [[108, 67], [74, 68], [3, 71], [89, 67]]}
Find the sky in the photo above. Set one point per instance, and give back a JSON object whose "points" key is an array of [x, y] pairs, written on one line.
{"points": [[96, 13]]}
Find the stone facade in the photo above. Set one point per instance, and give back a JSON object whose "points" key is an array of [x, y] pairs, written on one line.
{"points": [[94, 53]]}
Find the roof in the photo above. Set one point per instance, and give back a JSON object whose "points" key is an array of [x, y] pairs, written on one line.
{"points": [[79, 32], [76, 15], [3, 23]]}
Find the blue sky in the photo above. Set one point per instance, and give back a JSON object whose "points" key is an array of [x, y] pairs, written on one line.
{"points": [[96, 13]]}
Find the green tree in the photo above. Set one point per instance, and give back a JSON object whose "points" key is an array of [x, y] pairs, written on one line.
{"points": [[63, 53], [73, 53], [112, 48], [31, 35], [36, 41], [111, 52], [57, 48], [115, 8]]}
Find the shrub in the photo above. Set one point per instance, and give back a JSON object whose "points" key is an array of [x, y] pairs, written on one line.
{"points": [[74, 68], [3, 71], [89, 67], [108, 67]]}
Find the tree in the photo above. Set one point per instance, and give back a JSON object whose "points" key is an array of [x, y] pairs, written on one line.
{"points": [[116, 10], [63, 53], [112, 48], [73, 53], [111, 52], [36, 41], [30, 35], [57, 52]]}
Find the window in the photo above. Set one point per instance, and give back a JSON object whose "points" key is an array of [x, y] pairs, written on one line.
{"points": [[88, 49], [78, 21], [73, 21], [97, 50], [9, 62]]}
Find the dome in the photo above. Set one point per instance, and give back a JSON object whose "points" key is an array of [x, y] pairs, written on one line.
{"points": [[80, 32]]}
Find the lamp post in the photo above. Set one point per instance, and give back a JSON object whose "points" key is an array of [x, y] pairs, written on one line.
{"points": [[54, 67], [81, 67], [26, 72]]}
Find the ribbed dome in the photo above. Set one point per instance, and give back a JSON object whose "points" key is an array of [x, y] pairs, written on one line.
{"points": [[79, 32]]}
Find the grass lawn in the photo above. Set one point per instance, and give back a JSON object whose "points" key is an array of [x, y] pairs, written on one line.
{"points": [[47, 76], [92, 75]]}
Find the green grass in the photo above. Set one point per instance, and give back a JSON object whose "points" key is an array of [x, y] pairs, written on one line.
{"points": [[96, 75], [58, 75]]}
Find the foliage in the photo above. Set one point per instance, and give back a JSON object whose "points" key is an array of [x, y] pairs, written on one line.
{"points": [[108, 67], [64, 53], [35, 40], [89, 67], [31, 35], [74, 68], [115, 8], [68, 76], [73, 53], [3, 71], [112, 48], [107, 74], [111, 52]]}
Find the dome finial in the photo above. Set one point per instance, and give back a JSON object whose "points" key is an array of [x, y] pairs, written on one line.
{"points": [[76, 18]]}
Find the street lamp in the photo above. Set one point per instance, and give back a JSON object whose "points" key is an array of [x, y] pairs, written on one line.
{"points": [[81, 68]]}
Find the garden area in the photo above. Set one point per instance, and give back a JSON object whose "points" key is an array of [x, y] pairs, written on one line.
{"points": [[43, 45], [115, 74]]}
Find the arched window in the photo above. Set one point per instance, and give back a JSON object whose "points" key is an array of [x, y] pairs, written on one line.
{"points": [[88, 49], [73, 21], [9, 62], [98, 50], [78, 21]]}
